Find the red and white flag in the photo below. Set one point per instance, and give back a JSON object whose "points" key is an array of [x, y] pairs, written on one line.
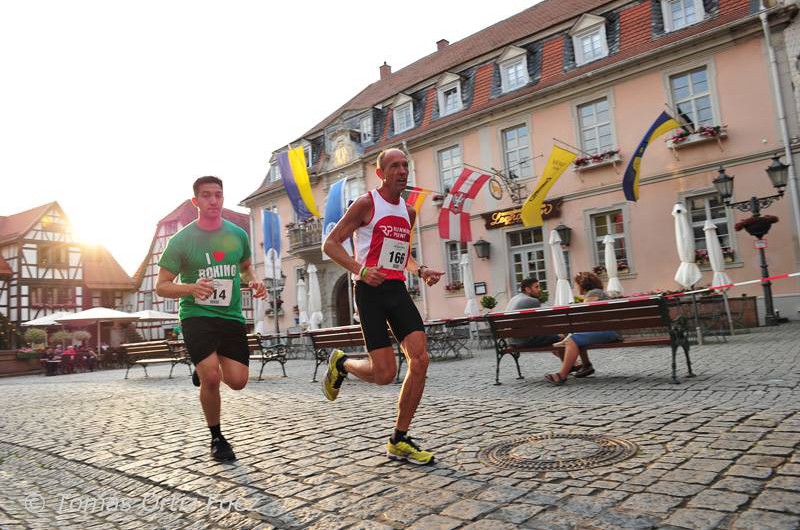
{"points": [[454, 216]]}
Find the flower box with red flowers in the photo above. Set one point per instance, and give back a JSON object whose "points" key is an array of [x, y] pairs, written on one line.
{"points": [[684, 136], [600, 159], [756, 226], [455, 286]]}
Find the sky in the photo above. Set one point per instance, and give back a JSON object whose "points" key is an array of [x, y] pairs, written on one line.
{"points": [[113, 108]]}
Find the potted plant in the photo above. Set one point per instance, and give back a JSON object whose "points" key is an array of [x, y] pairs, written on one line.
{"points": [[756, 225], [81, 336], [35, 336], [488, 302]]}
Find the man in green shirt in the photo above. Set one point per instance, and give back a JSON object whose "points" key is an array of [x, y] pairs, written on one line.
{"points": [[212, 257]]}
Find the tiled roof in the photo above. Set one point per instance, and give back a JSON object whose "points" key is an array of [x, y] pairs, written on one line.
{"points": [[14, 226], [494, 38], [101, 270]]}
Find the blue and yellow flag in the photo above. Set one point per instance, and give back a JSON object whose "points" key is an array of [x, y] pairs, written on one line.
{"points": [[297, 183], [630, 182]]}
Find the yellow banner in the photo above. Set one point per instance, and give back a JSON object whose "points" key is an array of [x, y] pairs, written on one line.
{"points": [[556, 164], [297, 159]]}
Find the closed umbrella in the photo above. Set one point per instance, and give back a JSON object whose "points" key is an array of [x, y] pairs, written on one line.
{"points": [[97, 315], [469, 286], [302, 302], [688, 272], [314, 299], [563, 294], [614, 285], [717, 265], [259, 321]]}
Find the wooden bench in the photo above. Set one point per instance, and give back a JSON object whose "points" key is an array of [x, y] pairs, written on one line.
{"points": [[155, 352], [642, 313], [258, 352], [346, 338]]}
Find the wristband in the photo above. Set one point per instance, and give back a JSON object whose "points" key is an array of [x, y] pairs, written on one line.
{"points": [[363, 272], [419, 270]]}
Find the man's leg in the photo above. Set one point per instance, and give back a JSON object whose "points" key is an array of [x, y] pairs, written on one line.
{"points": [[380, 368], [415, 347], [210, 377]]}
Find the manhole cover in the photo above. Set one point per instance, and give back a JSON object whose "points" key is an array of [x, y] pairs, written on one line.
{"points": [[558, 452]]}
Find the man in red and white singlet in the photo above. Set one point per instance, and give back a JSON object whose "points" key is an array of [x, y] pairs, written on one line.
{"points": [[381, 223]]}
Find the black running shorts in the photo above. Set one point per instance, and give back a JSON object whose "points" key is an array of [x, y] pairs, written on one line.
{"points": [[206, 335], [388, 302]]}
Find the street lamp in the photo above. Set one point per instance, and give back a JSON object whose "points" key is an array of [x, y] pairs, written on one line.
{"points": [[564, 233], [759, 226], [482, 248]]}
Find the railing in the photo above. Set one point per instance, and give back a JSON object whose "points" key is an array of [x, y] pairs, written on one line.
{"points": [[304, 235]]}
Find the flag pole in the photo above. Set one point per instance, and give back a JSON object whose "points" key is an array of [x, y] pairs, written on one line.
{"points": [[572, 146], [418, 222], [275, 300]]}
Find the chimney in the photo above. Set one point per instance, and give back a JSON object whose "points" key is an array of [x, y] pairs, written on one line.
{"points": [[386, 71], [442, 44]]}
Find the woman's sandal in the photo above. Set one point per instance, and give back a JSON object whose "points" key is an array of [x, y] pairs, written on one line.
{"points": [[555, 379], [585, 371]]}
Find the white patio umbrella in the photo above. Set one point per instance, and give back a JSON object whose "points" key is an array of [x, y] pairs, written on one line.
{"points": [[151, 315], [259, 322], [302, 302], [563, 292], [469, 286], [47, 320], [97, 315], [688, 272], [314, 298], [717, 265], [614, 285]]}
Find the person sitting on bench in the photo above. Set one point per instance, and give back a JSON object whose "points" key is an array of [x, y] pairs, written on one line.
{"points": [[591, 288], [528, 298]]}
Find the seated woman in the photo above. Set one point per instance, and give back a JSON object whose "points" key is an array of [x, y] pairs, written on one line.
{"points": [[591, 287]]}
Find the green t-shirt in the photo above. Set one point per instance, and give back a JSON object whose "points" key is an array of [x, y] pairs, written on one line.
{"points": [[194, 253]]}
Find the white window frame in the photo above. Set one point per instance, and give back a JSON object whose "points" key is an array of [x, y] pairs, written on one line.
{"points": [[686, 198], [710, 80], [449, 173], [449, 263], [516, 59], [577, 42], [307, 153], [448, 83], [365, 129], [274, 172], [521, 170], [247, 299], [597, 259], [403, 113], [669, 22], [596, 126]]}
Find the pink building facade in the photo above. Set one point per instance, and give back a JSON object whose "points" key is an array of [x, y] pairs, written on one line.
{"points": [[594, 76]]}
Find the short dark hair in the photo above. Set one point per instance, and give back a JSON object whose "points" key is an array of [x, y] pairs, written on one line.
{"points": [[528, 282], [205, 180], [588, 281], [383, 154]]}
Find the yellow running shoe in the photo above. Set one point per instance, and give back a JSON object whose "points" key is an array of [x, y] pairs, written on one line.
{"points": [[406, 449], [333, 377]]}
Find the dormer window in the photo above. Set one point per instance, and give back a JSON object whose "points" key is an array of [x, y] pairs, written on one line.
{"points": [[449, 86], [307, 153], [403, 113], [679, 14], [365, 129], [589, 39], [513, 69]]}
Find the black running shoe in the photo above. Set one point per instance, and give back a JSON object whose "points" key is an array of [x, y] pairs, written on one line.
{"points": [[221, 450], [195, 378]]}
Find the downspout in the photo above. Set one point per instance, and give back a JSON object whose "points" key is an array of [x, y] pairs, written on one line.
{"points": [[420, 259], [792, 174]]}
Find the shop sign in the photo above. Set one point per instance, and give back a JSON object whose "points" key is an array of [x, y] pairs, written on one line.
{"points": [[513, 216]]}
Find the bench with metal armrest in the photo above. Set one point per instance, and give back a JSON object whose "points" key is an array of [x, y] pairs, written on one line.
{"points": [[643, 314], [155, 352], [266, 353]]}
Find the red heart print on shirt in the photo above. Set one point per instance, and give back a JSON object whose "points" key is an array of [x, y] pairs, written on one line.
{"points": [[219, 255]]}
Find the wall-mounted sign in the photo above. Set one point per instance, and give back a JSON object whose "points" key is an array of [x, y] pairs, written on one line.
{"points": [[495, 188], [513, 216], [480, 288]]}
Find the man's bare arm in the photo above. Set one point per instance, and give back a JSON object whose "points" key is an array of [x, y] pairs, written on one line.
{"points": [[167, 288], [247, 276]]}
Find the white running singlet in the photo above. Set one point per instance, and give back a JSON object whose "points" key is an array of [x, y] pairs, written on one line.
{"points": [[385, 241]]}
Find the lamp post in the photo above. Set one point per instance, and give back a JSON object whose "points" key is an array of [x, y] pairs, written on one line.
{"points": [[482, 248], [777, 173], [564, 233]]}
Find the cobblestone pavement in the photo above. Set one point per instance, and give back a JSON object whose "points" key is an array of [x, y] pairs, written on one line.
{"points": [[717, 451]]}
